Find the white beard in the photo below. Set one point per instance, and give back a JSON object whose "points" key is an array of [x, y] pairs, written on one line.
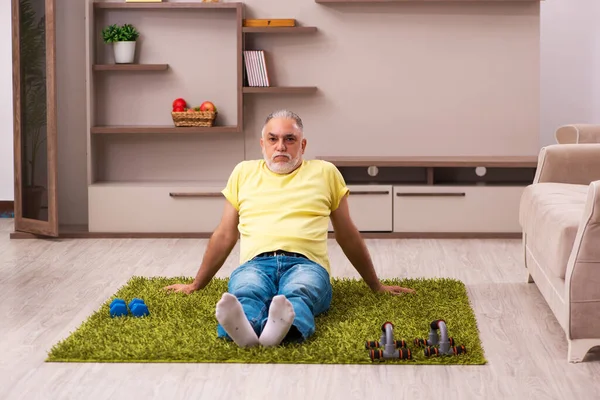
{"points": [[282, 167]]}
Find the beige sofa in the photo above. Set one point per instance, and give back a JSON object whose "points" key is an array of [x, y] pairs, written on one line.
{"points": [[578, 133], [560, 217]]}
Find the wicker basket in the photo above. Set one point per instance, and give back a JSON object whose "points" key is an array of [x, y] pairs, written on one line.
{"points": [[196, 118]]}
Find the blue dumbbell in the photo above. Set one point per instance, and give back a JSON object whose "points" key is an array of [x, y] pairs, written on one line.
{"points": [[138, 308], [118, 308], [134, 301]]}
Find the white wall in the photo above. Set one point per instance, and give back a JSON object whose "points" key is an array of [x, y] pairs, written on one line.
{"points": [[570, 64], [570, 76], [6, 114]]}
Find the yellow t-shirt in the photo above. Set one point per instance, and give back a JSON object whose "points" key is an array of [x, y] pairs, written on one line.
{"points": [[285, 211]]}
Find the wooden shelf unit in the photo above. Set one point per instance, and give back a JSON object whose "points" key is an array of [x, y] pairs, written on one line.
{"points": [[116, 179]]}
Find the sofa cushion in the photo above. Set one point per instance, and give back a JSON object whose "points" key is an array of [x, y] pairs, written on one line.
{"points": [[550, 214]]}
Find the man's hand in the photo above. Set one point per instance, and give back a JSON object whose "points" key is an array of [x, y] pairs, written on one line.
{"points": [[181, 287], [395, 290]]}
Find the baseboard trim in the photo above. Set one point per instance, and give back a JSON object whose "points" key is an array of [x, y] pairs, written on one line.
{"points": [[7, 209], [83, 233]]}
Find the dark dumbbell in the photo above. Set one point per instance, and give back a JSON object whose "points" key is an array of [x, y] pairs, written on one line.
{"points": [[376, 354], [459, 350], [421, 342], [371, 344], [405, 354], [431, 351], [435, 324], [400, 343]]}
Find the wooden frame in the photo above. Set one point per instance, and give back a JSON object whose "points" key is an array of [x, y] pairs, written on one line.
{"points": [[50, 227]]}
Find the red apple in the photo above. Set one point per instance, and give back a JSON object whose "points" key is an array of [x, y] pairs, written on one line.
{"points": [[178, 109], [207, 106], [179, 103]]}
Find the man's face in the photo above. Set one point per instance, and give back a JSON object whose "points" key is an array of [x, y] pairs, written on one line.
{"points": [[282, 145]]}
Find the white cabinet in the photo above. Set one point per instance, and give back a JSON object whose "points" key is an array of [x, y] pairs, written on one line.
{"points": [[370, 207], [457, 208], [139, 207]]}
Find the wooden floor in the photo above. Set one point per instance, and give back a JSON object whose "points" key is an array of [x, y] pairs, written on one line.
{"points": [[47, 288]]}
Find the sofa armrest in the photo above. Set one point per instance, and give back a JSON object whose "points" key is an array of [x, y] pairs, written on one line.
{"points": [[578, 133], [569, 163], [583, 271]]}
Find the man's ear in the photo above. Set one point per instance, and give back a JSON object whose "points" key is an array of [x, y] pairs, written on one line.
{"points": [[303, 145]]}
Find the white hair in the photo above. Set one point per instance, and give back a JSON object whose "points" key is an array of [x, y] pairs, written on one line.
{"points": [[287, 115]]}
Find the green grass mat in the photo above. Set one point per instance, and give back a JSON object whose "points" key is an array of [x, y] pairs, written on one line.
{"points": [[182, 328]]}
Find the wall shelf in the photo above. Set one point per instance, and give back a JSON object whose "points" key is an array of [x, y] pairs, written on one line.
{"points": [[279, 89], [130, 67], [280, 29], [164, 5], [162, 129]]}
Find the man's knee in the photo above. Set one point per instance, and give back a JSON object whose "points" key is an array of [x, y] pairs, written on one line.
{"points": [[309, 284], [251, 283]]}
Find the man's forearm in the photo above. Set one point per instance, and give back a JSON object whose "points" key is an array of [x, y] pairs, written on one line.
{"points": [[356, 250], [218, 249]]}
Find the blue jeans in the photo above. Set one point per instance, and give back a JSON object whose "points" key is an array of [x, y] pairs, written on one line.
{"points": [[304, 283]]}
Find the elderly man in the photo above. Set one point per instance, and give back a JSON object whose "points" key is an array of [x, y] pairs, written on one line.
{"points": [[281, 207]]}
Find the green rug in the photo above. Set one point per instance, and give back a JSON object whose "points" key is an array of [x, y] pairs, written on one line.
{"points": [[182, 328]]}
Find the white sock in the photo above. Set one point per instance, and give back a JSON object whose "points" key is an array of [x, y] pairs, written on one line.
{"points": [[281, 317], [231, 316]]}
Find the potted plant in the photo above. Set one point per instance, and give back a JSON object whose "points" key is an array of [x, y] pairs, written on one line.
{"points": [[123, 39]]}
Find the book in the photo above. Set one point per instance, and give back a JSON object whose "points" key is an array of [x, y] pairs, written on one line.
{"points": [[255, 63]]}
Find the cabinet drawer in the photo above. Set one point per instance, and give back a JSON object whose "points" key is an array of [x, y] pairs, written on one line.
{"points": [[457, 209], [370, 207], [139, 208]]}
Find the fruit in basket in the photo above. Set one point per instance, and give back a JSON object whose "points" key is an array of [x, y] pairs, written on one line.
{"points": [[208, 106], [178, 109], [179, 103]]}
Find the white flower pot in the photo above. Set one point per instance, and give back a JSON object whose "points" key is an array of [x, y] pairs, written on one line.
{"points": [[124, 52]]}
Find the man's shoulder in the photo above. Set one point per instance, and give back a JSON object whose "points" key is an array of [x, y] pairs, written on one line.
{"points": [[326, 169], [247, 166], [323, 165]]}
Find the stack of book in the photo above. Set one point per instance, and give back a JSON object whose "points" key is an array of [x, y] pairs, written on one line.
{"points": [[256, 68]]}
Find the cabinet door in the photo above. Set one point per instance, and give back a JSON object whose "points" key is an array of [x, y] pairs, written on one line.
{"points": [[370, 207], [34, 105], [471, 209]]}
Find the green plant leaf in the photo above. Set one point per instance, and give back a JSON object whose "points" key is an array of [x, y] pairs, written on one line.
{"points": [[124, 33]]}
